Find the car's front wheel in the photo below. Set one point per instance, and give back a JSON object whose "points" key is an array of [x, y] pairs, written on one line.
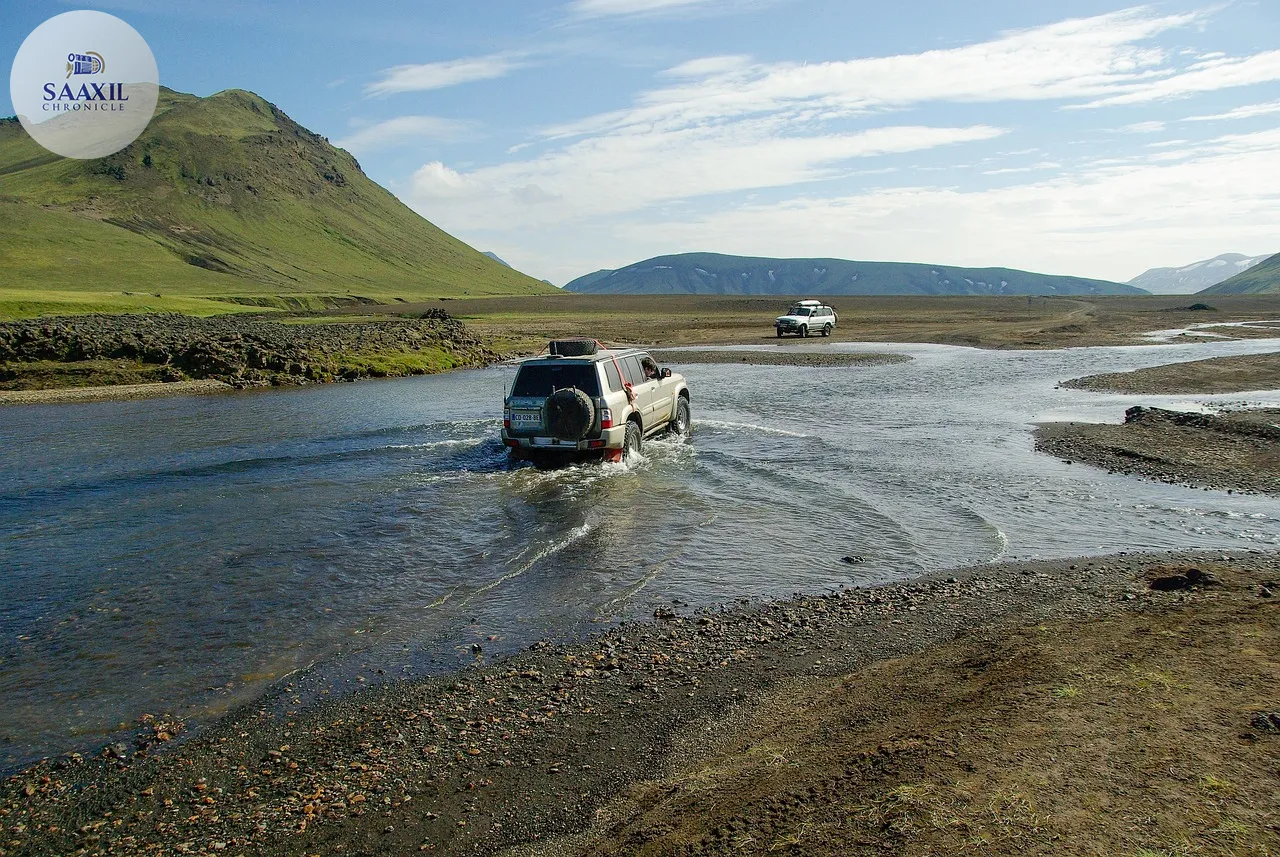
{"points": [[680, 422], [631, 442], [804, 330]]}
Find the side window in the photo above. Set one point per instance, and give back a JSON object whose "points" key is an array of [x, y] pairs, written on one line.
{"points": [[611, 374], [631, 366]]}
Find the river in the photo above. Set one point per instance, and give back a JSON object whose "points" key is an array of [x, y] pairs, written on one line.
{"points": [[186, 555]]}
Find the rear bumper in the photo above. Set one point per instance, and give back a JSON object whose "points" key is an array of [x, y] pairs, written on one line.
{"points": [[611, 438]]}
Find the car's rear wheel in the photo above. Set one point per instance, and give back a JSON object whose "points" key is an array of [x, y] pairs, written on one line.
{"points": [[680, 421], [631, 442], [826, 330], [804, 330]]}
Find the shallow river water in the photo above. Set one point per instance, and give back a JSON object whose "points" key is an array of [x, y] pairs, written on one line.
{"points": [[183, 555]]}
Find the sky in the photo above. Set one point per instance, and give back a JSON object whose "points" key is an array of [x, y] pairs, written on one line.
{"points": [[1084, 137]]}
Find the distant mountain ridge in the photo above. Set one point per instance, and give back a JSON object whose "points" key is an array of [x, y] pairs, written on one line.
{"points": [[1261, 279], [221, 199], [714, 273], [1195, 277]]}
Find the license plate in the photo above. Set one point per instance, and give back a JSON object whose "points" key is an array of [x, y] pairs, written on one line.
{"points": [[526, 417]]}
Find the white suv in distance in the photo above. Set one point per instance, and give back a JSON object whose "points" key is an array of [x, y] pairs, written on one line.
{"points": [[805, 317], [586, 401]]}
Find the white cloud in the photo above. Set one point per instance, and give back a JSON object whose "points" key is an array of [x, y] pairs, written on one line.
{"points": [[1102, 221], [1248, 111], [1143, 128], [439, 75], [441, 182], [629, 172], [721, 125], [706, 66], [600, 8], [402, 129], [1043, 165], [1209, 76], [1079, 58]]}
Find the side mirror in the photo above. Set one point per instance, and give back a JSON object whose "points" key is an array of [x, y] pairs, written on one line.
{"points": [[666, 373]]}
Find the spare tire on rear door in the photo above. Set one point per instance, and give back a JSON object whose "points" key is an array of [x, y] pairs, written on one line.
{"points": [[570, 414]]}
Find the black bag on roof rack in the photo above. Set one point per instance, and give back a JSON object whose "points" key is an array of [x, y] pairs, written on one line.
{"points": [[573, 347]]}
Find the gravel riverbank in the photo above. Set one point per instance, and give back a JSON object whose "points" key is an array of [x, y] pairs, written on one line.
{"points": [[1215, 375], [541, 746], [1230, 451], [114, 393], [1234, 450]]}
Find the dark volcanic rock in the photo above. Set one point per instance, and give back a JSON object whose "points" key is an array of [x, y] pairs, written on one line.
{"points": [[244, 351]]}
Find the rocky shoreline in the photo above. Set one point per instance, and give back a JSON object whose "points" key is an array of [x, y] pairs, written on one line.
{"points": [[534, 748], [1228, 451], [243, 352]]}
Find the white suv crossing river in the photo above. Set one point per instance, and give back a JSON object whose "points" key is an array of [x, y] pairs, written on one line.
{"points": [[583, 400]]}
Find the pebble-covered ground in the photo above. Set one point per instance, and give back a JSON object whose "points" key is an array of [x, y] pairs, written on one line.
{"points": [[519, 750], [1230, 451], [1214, 375]]}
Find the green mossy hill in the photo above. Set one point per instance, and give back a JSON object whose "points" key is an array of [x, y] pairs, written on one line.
{"points": [[222, 200], [715, 274], [1261, 279], [243, 352]]}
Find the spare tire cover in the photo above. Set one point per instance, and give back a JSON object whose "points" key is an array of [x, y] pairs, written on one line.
{"points": [[570, 414]]}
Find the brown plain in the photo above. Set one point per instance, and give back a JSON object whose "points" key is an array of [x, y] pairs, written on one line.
{"points": [[524, 323]]}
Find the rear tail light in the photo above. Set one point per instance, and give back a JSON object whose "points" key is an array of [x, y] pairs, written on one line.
{"points": [[506, 418], [606, 418], [595, 444]]}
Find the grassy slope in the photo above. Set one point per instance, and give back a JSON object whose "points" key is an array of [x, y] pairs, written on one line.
{"points": [[1261, 279], [719, 274], [221, 197]]}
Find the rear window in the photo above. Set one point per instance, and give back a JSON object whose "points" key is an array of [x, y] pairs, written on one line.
{"points": [[543, 379]]}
